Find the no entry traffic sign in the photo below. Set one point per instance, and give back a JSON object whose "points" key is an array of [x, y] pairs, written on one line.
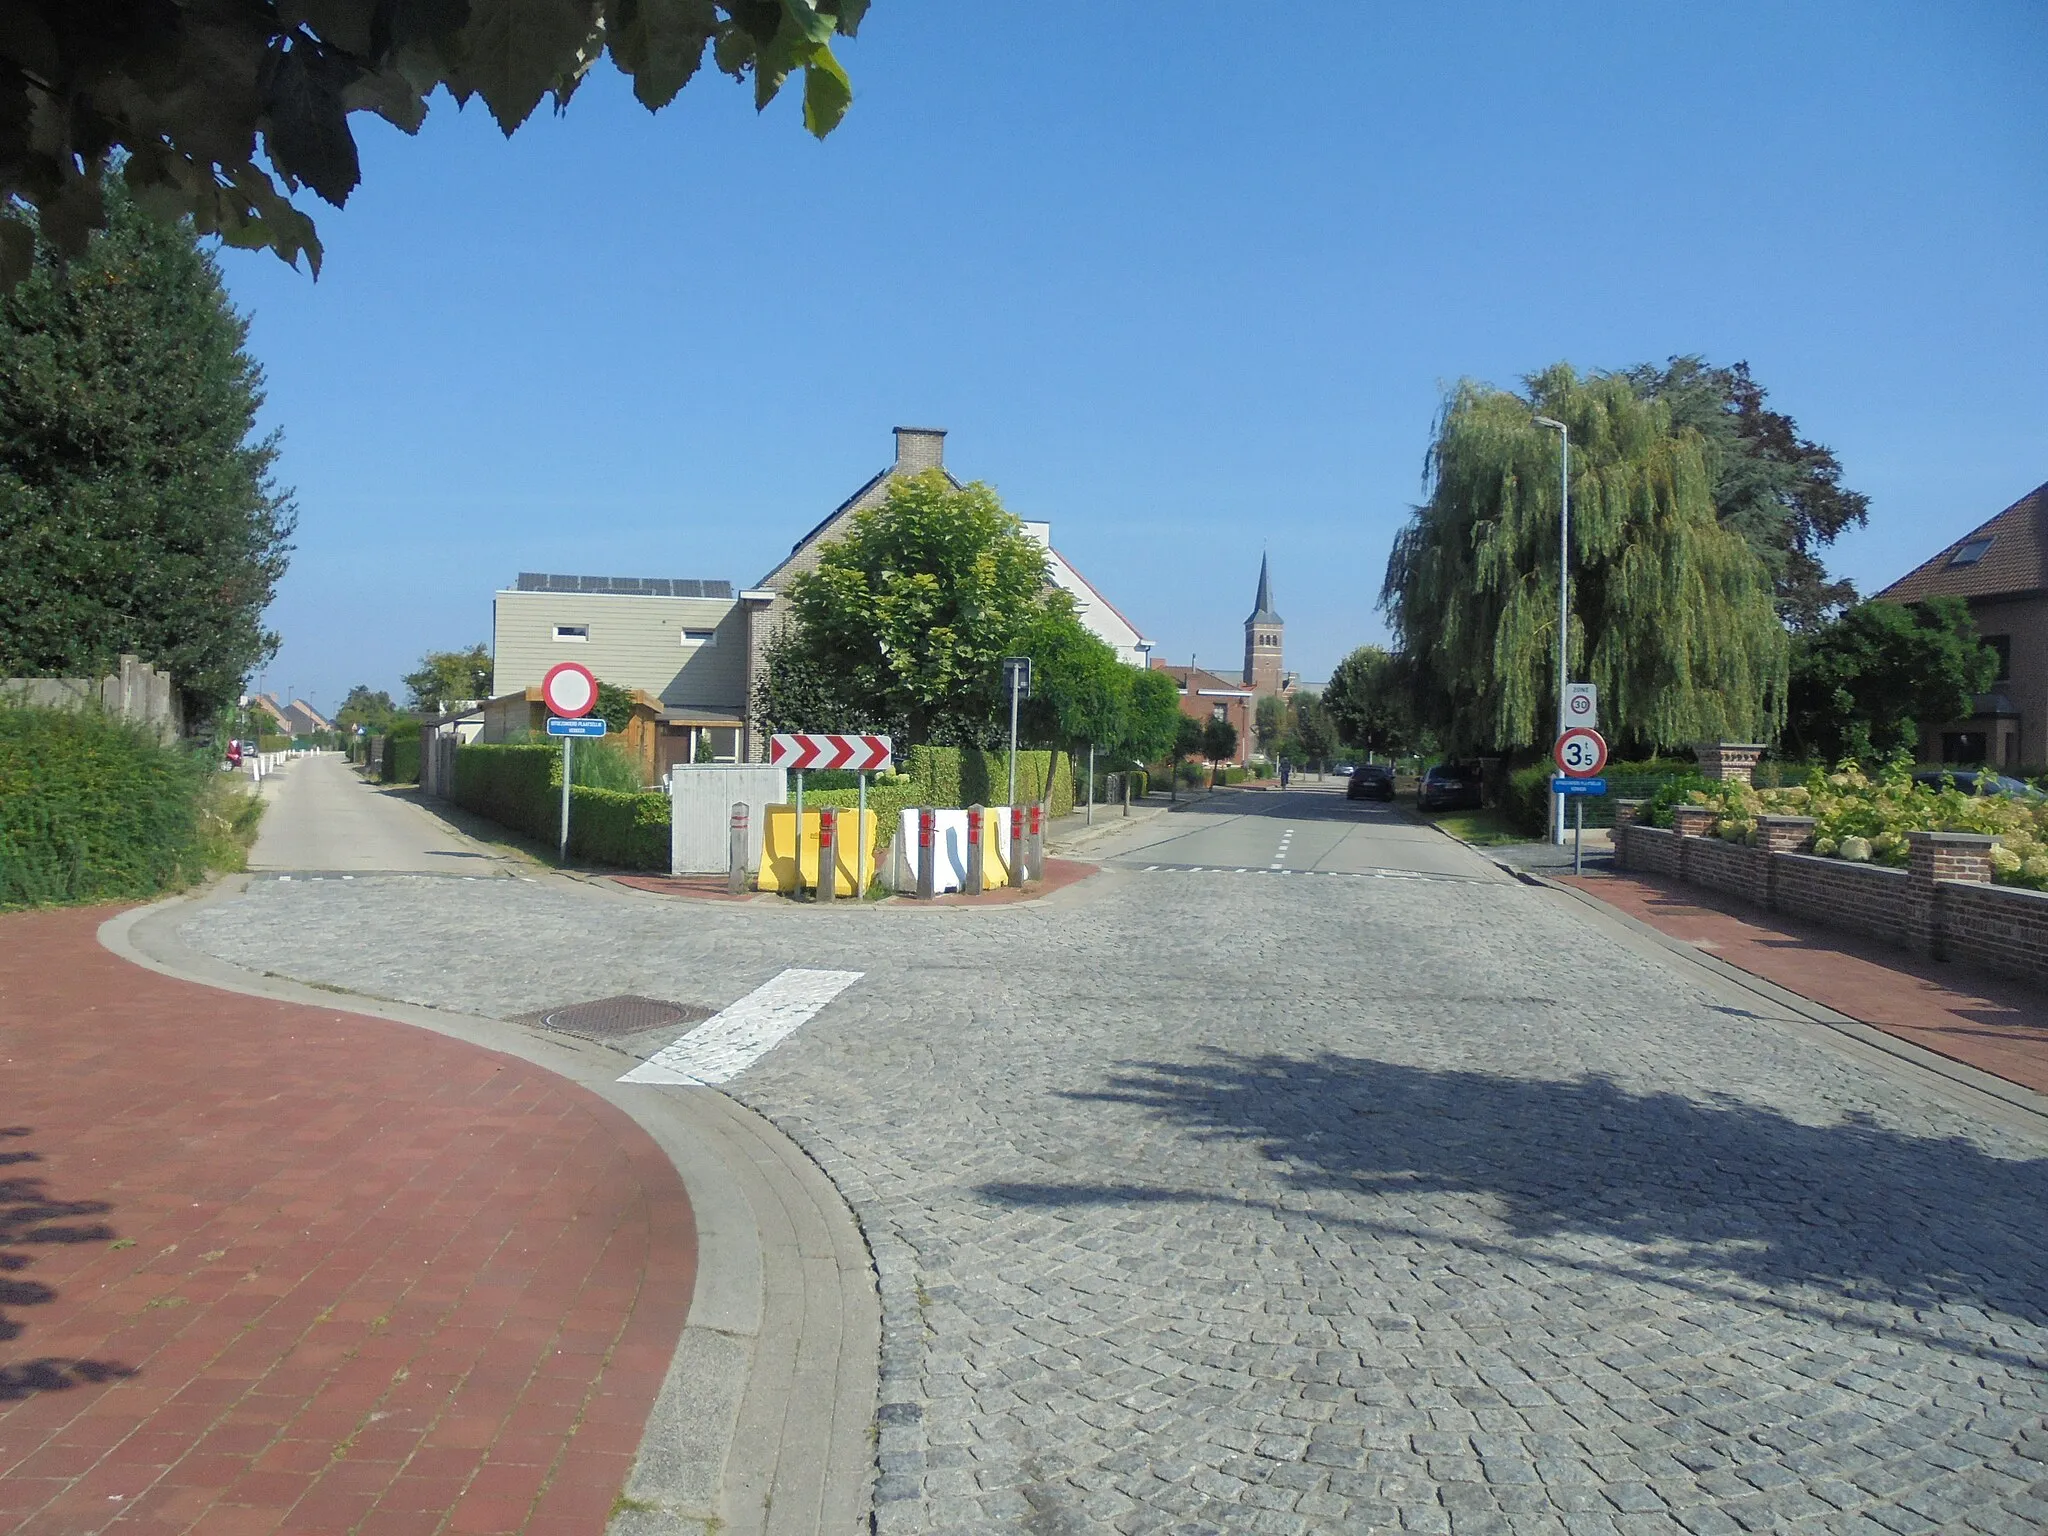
{"points": [[569, 690], [1580, 753], [800, 750]]}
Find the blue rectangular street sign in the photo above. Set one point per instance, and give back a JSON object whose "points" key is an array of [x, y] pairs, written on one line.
{"points": [[1563, 786], [589, 725]]}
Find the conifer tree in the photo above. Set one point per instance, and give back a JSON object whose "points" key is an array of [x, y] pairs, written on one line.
{"points": [[137, 506], [1671, 611]]}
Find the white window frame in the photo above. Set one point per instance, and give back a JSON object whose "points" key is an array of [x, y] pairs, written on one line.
{"points": [[572, 634], [698, 637]]}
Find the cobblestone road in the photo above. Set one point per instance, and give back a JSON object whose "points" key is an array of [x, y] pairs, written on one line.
{"points": [[1240, 1204]]}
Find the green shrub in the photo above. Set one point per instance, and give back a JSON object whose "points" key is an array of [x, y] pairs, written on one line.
{"points": [[887, 798], [627, 830], [603, 764], [95, 809], [1526, 798], [269, 742], [402, 759], [520, 787], [516, 786], [951, 777]]}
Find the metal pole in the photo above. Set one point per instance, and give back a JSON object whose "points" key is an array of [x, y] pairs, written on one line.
{"points": [[567, 743], [860, 842], [1564, 587], [1578, 831], [1564, 602], [1091, 784], [797, 885], [1014, 680]]}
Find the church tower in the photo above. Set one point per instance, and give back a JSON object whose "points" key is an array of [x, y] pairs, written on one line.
{"points": [[1262, 634]]}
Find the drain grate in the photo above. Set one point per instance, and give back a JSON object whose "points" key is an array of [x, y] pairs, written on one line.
{"points": [[608, 1018]]}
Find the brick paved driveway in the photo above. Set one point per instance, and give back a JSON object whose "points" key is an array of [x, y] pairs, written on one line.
{"points": [[271, 1268], [1221, 1203]]}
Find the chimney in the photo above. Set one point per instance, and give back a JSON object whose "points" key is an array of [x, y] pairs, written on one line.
{"points": [[919, 449]]}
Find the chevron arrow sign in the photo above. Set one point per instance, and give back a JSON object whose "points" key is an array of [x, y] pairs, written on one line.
{"points": [[863, 754]]}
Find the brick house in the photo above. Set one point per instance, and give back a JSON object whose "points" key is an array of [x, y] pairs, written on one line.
{"points": [[2001, 569], [1209, 696]]}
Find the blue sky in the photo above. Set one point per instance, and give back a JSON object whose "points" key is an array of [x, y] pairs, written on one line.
{"points": [[1187, 281]]}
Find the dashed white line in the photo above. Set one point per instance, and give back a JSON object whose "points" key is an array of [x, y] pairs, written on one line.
{"points": [[732, 1040]]}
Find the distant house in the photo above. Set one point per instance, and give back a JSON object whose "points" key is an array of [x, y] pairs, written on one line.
{"points": [[1207, 696], [2001, 569], [680, 641], [917, 450], [297, 718], [696, 646]]}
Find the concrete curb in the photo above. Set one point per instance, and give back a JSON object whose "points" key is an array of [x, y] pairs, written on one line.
{"points": [[765, 1422], [2010, 1104]]}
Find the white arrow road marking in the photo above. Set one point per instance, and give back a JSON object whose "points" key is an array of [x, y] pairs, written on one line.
{"points": [[734, 1038]]}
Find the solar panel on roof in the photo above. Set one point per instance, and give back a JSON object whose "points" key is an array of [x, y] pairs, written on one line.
{"points": [[631, 586]]}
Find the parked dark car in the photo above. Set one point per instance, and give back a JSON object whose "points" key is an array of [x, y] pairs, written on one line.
{"points": [[1978, 781], [1450, 787], [1372, 781]]}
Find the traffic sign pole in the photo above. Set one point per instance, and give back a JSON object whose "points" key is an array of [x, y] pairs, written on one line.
{"points": [[568, 746]]}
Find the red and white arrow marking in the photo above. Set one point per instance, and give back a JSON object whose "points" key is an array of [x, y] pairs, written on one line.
{"points": [[802, 750]]}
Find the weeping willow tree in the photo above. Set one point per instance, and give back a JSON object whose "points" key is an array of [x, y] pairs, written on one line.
{"points": [[1671, 612]]}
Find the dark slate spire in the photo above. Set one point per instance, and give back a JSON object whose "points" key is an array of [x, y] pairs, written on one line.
{"points": [[1263, 612]]}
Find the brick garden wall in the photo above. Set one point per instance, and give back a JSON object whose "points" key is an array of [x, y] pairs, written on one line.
{"points": [[1944, 907]]}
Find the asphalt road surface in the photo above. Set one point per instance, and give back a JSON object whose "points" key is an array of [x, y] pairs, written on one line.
{"points": [[322, 817], [1304, 830]]}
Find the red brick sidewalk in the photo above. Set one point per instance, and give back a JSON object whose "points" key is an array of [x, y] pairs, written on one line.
{"points": [[273, 1268], [1996, 1026]]}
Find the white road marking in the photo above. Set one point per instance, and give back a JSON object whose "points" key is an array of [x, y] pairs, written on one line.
{"points": [[734, 1038]]}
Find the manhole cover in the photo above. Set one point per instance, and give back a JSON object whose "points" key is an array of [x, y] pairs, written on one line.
{"points": [[610, 1017]]}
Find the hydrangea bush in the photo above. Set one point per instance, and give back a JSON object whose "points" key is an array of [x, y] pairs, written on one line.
{"points": [[1865, 819]]}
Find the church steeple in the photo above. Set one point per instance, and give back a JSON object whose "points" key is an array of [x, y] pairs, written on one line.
{"points": [[1263, 633], [1262, 610]]}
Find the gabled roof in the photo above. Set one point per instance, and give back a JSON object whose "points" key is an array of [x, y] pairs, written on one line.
{"points": [[1997, 559], [858, 499]]}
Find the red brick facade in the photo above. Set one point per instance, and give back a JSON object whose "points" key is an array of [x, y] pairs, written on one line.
{"points": [[1942, 905]]}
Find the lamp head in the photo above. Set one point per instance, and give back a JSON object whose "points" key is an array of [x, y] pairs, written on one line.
{"points": [[1545, 421]]}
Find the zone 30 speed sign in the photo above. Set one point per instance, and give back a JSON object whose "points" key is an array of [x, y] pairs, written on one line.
{"points": [[1580, 753]]}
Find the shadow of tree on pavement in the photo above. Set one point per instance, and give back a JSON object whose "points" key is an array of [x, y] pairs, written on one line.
{"points": [[30, 1216], [1692, 1192]]}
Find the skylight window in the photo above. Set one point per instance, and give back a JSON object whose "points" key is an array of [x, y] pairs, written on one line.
{"points": [[1970, 551]]}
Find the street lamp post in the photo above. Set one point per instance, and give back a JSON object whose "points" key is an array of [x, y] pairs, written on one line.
{"points": [[1564, 601]]}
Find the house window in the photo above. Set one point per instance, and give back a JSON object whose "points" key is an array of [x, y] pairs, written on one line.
{"points": [[573, 632], [1970, 551], [1219, 711], [2002, 644], [700, 637]]}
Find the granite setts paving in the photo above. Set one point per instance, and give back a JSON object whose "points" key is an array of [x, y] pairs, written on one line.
{"points": [[1203, 1205]]}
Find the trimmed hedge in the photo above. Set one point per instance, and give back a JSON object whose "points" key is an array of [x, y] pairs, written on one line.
{"points": [[952, 777], [1527, 798], [520, 787], [887, 798], [612, 826], [94, 809]]}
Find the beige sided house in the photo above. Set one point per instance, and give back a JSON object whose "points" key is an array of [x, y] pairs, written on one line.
{"points": [[696, 646], [917, 449], [2001, 569], [680, 642]]}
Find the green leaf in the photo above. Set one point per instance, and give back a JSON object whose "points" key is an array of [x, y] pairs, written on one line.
{"points": [[389, 94], [660, 43], [306, 131], [349, 25], [827, 93], [515, 51]]}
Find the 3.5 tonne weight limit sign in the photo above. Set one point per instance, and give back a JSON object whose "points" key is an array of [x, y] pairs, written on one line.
{"points": [[1580, 753]]}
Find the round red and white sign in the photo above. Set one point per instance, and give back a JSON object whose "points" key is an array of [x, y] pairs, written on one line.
{"points": [[1581, 753], [569, 689]]}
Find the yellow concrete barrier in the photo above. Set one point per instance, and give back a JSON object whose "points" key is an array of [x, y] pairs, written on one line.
{"points": [[782, 856]]}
